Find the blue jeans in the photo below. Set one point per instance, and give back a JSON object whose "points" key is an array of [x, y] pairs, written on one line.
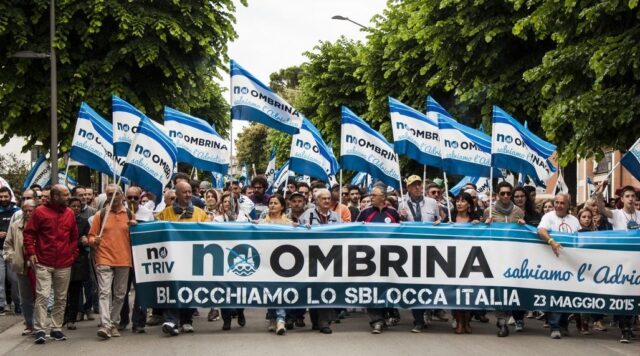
{"points": [[26, 299], [277, 314], [13, 279], [558, 320]]}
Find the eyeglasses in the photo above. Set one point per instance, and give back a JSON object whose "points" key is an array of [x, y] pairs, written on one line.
{"points": [[505, 194], [345, 193], [133, 197], [434, 192]]}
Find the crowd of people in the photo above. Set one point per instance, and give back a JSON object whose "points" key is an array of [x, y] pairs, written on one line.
{"points": [[67, 254]]}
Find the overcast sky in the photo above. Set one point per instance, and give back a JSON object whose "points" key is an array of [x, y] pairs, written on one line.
{"points": [[273, 34]]}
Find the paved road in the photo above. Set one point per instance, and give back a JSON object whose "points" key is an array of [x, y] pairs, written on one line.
{"points": [[351, 337]]}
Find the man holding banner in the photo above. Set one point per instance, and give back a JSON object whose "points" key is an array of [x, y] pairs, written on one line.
{"points": [[558, 220], [182, 210], [627, 218]]}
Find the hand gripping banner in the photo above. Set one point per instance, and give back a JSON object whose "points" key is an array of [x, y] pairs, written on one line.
{"points": [[413, 265]]}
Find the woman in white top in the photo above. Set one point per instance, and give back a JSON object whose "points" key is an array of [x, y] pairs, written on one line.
{"points": [[226, 214], [277, 206]]}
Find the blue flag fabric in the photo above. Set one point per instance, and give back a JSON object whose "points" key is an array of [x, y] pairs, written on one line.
{"points": [[366, 150], [281, 177], [151, 159], [218, 180], [39, 174], [481, 183], [414, 134], [197, 141], [270, 173], [631, 160], [92, 142], [517, 149], [251, 100], [244, 173], [126, 119], [465, 151], [310, 155]]}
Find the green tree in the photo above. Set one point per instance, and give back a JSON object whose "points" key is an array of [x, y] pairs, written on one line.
{"points": [[13, 170], [328, 82], [462, 52], [151, 53], [285, 82], [590, 79], [252, 148]]}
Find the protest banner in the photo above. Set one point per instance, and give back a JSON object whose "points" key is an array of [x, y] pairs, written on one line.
{"points": [[412, 265]]}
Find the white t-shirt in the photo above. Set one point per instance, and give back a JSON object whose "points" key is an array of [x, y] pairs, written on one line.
{"points": [[552, 222], [620, 219], [144, 214]]}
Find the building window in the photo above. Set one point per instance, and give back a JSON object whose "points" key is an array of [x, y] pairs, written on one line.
{"points": [[604, 166]]}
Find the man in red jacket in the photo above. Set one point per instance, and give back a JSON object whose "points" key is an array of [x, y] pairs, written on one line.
{"points": [[51, 245]]}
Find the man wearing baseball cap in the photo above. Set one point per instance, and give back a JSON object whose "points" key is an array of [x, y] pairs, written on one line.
{"points": [[419, 208]]}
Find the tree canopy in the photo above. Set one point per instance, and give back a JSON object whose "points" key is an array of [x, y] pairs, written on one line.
{"points": [[149, 53], [570, 69]]}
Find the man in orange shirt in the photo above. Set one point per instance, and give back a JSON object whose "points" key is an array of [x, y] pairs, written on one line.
{"points": [[113, 259]]}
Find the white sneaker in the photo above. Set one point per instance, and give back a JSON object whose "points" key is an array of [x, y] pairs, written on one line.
{"points": [[511, 321], [280, 328], [187, 328]]}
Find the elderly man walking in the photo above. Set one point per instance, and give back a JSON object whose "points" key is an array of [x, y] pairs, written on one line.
{"points": [[51, 245], [113, 259]]}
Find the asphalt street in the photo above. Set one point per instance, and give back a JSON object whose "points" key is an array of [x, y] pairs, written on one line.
{"points": [[350, 337]]}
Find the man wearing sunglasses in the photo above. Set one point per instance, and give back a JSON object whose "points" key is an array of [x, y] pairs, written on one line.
{"points": [[139, 316], [504, 211]]}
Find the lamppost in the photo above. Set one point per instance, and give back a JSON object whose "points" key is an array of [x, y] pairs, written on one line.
{"points": [[54, 89], [338, 17]]}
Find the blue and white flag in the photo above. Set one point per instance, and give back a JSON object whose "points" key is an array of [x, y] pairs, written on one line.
{"points": [[253, 101], [70, 183], [365, 150], [218, 180], [151, 159], [126, 119], [244, 173], [281, 177], [481, 183], [591, 188], [39, 174], [414, 134], [631, 160], [92, 142], [310, 155], [359, 179], [517, 149], [270, 173], [197, 141], [465, 151]]}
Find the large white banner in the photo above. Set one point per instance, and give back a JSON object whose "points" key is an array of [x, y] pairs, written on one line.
{"points": [[502, 266]]}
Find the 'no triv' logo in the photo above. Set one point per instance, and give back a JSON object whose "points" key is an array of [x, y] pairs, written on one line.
{"points": [[243, 260]]}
